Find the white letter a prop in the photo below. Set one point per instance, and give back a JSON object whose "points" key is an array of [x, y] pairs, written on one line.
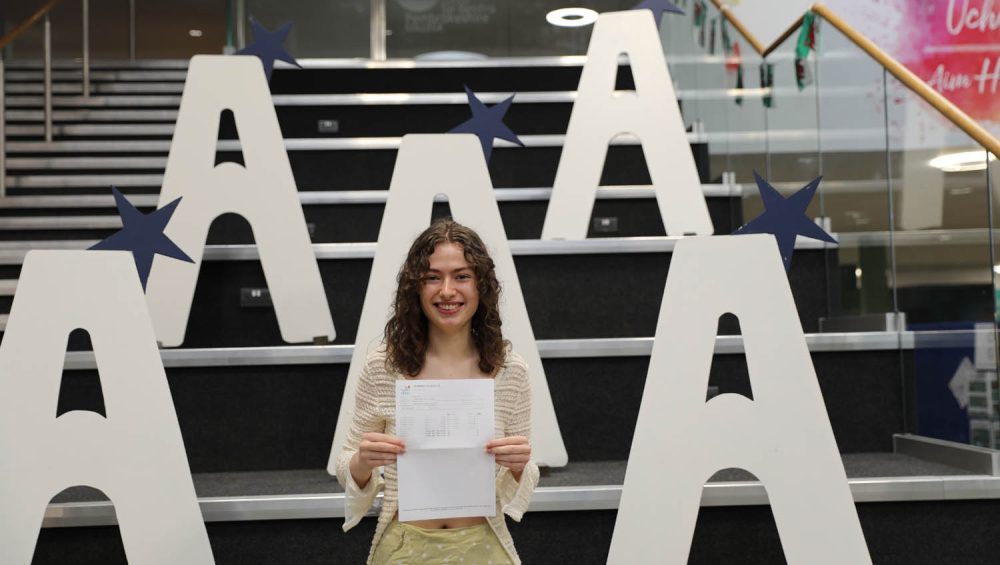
{"points": [[264, 193], [650, 113], [782, 436], [451, 164], [136, 455]]}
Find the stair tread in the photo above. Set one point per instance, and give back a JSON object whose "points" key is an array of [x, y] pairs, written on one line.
{"points": [[579, 473]]}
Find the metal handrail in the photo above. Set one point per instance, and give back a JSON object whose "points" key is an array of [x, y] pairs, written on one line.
{"points": [[41, 14], [904, 75], [23, 26]]}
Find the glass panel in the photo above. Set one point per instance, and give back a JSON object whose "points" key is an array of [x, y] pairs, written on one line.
{"points": [[941, 207], [984, 425], [322, 29], [491, 28], [854, 192], [707, 63], [171, 30], [944, 265], [792, 132], [110, 18]]}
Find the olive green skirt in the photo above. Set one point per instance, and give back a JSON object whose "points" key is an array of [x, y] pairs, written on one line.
{"points": [[404, 544]]}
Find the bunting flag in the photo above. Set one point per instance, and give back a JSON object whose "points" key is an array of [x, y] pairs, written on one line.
{"points": [[700, 15], [711, 36], [739, 77], [734, 61], [727, 42], [767, 83], [806, 43]]}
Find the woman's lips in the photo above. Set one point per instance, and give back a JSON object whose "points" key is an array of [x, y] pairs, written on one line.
{"points": [[454, 308]]}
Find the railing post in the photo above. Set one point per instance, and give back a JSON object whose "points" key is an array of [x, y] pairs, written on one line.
{"points": [[377, 39], [241, 23], [131, 30], [3, 135], [86, 48], [48, 79]]}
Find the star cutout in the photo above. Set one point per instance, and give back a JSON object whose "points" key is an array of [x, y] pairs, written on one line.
{"points": [[142, 234], [658, 7], [487, 123], [267, 45], [785, 217]]}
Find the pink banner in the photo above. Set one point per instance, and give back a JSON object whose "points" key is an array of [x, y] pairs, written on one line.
{"points": [[953, 45]]}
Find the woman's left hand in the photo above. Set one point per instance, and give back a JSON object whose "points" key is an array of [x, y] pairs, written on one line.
{"points": [[512, 452]]}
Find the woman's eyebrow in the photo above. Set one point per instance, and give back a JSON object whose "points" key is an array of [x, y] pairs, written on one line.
{"points": [[458, 270]]}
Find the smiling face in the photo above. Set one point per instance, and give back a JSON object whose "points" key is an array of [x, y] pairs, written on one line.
{"points": [[449, 296]]}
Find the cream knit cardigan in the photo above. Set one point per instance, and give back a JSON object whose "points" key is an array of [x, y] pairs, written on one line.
{"points": [[375, 411]]}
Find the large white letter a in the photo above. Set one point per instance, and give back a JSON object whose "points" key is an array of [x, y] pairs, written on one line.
{"points": [[450, 164], [263, 192], [783, 435], [135, 455], [650, 113]]}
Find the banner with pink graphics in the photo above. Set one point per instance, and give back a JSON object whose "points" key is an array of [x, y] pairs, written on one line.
{"points": [[953, 45]]}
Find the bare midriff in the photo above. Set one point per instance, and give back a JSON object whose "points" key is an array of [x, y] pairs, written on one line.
{"points": [[446, 524]]}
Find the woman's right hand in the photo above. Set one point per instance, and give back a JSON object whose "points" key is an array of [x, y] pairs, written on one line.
{"points": [[378, 449]]}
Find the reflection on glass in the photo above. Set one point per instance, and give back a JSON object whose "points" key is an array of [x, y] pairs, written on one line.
{"points": [[854, 202], [67, 32], [322, 29], [485, 28], [941, 203]]}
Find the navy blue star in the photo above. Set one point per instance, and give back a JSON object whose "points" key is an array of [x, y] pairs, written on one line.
{"points": [[785, 217], [142, 234], [267, 45], [487, 123], [658, 7]]}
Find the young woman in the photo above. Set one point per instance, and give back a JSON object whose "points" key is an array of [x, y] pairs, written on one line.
{"points": [[445, 324]]}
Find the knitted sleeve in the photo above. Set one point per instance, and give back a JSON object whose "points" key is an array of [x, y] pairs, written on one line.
{"points": [[515, 496], [366, 418]]}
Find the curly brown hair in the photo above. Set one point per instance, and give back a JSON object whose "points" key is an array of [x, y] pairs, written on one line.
{"points": [[406, 332]]}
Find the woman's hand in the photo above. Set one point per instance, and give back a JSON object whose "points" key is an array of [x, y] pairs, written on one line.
{"points": [[512, 452], [375, 450]]}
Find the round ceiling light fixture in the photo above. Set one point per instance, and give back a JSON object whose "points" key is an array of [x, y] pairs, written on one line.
{"points": [[571, 17], [962, 161]]}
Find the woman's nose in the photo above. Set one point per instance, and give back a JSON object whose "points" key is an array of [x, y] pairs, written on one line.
{"points": [[447, 287]]}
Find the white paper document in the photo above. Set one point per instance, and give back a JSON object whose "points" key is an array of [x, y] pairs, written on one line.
{"points": [[445, 472]]}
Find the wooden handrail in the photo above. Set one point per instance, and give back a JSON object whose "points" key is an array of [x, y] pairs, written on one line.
{"points": [[736, 23], [904, 75], [796, 25], [23, 26], [913, 82]]}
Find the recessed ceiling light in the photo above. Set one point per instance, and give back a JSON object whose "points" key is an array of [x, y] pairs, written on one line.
{"points": [[571, 17], [194, 32], [962, 161]]}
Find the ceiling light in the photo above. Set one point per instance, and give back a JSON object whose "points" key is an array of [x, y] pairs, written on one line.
{"points": [[961, 162], [571, 17], [194, 32]]}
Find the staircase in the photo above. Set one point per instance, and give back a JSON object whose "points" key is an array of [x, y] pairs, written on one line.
{"points": [[258, 415]]}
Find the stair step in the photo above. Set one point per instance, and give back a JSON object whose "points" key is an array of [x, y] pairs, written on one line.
{"points": [[580, 486], [69, 95], [300, 144], [333, 197], [286, 355], [12, 252]]}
